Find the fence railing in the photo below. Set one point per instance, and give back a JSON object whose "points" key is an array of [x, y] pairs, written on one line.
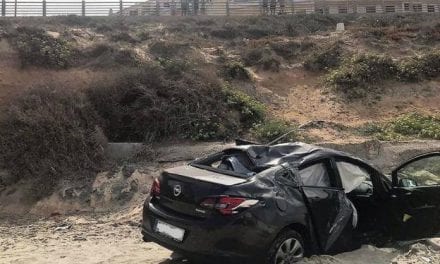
{"points": [[10, 8]]}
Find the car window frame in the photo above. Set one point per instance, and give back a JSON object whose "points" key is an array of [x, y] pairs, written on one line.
{"points": [[394, 176]]}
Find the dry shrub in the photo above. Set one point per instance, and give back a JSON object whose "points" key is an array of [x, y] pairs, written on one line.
{"points": [[291, 49], [123, 37], [50, 134], [148, 104], [324, 57], [263, 58], [103, 55], [168, 49]]}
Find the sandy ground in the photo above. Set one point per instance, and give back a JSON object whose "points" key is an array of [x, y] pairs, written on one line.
{"points": [[116, 239], [79, 239]]}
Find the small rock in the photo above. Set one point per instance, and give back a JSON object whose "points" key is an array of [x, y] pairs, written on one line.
{"points": [[53, 34], [340, 27], [434, 243], [63, 227], [428, 260], [79, 238]]}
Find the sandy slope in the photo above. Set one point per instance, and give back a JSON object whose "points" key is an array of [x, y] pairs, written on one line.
{"points": [[115, 239]]}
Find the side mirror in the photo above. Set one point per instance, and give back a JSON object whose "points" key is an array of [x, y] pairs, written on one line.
{"points": [[407, 183]]}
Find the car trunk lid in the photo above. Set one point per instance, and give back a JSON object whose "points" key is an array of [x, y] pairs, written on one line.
{"points": [[184, 188]]}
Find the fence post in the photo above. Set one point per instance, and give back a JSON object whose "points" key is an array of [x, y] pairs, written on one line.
{"points": [[227, 7], [157, 8], [3, 7], [83, 8], [44, 8], [15, 8], [121, 7]]}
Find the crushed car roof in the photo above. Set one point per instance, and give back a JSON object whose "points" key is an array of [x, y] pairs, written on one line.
{"points": [[298, 152]]}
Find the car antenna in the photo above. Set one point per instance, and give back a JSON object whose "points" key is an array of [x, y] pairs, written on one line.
{"points": [[280, 137]]}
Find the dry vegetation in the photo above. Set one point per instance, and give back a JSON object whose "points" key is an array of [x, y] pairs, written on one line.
{"points": [[201, 79]]}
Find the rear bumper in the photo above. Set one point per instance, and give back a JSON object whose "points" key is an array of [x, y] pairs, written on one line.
{"points": [[233, 237]]}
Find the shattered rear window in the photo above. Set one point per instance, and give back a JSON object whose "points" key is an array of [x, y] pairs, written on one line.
{"points": [[236, 162]]}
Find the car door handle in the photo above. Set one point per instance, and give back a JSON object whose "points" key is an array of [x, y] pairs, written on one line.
{"points": [[405, 194]]}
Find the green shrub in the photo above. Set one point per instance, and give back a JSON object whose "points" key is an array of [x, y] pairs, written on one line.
{"points": [[324, 57], [35, 47], [407, 125], [356, 76], [270, 130], [415, 124], [419, 68], [50, 134], [251, 110], [236, 70]]}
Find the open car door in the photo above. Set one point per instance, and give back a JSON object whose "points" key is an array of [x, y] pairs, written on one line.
{"points": [[331, 212], [415, 198]]}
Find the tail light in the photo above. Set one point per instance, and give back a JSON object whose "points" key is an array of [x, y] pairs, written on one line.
{"points": [[155, 188], [228, 205]]}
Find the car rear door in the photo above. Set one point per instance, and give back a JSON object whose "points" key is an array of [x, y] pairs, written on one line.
{"points": [[415, 198], [330, 210]]}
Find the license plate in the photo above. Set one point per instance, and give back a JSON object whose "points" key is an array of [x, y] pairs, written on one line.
{"points": [[169, 231]]}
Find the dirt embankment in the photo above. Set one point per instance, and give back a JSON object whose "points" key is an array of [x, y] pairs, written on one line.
{"points": [[291, 92]]}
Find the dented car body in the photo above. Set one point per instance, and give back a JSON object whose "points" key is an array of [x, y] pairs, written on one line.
{"points": [[276, 204]]}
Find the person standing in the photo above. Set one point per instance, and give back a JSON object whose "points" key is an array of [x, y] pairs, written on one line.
{"points": [[282, 6], [173, 7], [184, 7], [196, 7], [265, 7], [273, 6]]}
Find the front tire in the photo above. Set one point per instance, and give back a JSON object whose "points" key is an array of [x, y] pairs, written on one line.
{"points": [[287, 248]]}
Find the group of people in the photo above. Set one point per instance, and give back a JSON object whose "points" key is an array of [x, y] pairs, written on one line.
{"points": [[270, 6], [193, 7]]}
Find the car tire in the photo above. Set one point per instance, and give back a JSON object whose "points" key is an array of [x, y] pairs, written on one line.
{"points": [[287, 248]]}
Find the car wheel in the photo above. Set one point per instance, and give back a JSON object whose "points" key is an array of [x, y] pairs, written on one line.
{"points": [[287, 248]]}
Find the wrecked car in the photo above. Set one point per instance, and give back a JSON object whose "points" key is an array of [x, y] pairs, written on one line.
{"points": [[277, 204]]}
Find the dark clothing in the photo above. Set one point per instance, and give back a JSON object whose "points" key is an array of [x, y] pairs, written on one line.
{"points": [[273, 6], [265, 6]]}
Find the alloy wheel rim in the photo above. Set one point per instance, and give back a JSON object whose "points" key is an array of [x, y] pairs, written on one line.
{"points": [[290, 251]]}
